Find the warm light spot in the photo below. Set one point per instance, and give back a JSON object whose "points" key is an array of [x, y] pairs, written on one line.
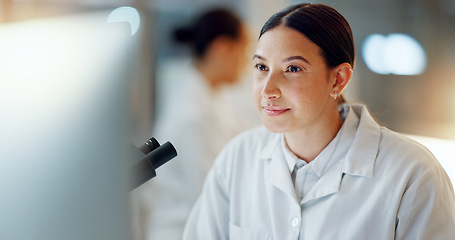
{"points": [[397, 53]]}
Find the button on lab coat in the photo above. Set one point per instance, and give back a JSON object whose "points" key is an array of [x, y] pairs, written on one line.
{"points": [[385, 187]]}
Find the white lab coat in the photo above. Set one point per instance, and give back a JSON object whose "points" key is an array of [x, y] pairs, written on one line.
{"points": [[385, 187], [199, 123]]}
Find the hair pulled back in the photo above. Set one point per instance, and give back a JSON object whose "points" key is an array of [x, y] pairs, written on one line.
{"points": [[323, 25], [205, 29]]}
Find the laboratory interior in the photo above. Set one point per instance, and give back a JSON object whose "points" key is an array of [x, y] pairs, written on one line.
{"points": [[80, 80]]}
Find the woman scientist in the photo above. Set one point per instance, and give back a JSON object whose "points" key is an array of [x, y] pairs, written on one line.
{"points": [[318, 169], [196, 119]]}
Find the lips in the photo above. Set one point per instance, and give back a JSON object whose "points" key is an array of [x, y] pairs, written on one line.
{"points": [[274, 110]]}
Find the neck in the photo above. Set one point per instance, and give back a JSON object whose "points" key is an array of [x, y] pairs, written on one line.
{"points": [[307, 144]]}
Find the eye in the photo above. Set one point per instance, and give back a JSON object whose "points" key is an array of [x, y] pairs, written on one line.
{"points": [[261, 67], [293, 69]]}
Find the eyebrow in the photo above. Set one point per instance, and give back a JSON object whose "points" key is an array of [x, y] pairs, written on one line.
{"points": [[296, 58], [284, 60], [259, 57]]}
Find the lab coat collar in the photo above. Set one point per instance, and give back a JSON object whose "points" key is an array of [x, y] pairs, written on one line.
{"points": [[277, 171], [361, 157], [358, 161], [271, 146]]}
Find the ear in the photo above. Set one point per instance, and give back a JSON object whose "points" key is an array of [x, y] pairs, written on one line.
{"points": [[341, 76]]}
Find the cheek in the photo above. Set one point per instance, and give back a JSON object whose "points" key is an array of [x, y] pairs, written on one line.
{"points": [[299, 96], [303, 96], [257, 91]]}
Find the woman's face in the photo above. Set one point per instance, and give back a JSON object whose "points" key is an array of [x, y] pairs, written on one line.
{"points": [[291, 82], [227, 57], [236, 59]]}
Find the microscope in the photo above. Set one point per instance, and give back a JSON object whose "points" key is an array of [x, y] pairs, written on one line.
{"points": [[146, 159]]}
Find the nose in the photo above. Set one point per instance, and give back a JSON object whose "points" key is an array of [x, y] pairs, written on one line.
{"points": [[271, 89]]}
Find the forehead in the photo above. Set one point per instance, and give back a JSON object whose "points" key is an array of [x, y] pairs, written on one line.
{"points": [[283, 42]]}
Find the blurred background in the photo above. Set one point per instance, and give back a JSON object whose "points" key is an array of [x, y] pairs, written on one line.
{"points": [[404, 73], [417, 100]]}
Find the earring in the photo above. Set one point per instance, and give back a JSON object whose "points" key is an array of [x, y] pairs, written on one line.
{"points": [[336, 95]]}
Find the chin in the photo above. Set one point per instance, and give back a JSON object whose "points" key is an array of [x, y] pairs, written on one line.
{"points": [[275, 128]]}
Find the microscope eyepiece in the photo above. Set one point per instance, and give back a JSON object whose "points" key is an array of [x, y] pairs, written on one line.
{"points": [[149, 146], [147, 158]]}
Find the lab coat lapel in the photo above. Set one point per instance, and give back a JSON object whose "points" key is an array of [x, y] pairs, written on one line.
{"points": [[358, 161], [328, 184], [277, 171], [361, 157]]}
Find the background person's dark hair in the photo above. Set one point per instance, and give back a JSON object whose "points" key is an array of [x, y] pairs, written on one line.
{"points": [[201, 33], [323, 25]]}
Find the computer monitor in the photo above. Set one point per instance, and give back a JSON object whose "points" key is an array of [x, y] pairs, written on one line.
{"points": [[63, 100]]}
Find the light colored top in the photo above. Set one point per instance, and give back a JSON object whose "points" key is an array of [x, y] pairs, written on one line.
{"points": [[306, 175], [383, 186], [199, 123]]}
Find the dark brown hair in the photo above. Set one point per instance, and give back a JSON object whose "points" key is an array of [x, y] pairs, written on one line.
{"points": [[323, 25], [207, 27]]}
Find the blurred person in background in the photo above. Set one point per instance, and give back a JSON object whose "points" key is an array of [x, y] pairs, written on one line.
{"points": [[196, 119]]}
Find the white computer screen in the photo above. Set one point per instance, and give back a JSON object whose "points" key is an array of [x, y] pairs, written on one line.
{"points": [[62, 128]]}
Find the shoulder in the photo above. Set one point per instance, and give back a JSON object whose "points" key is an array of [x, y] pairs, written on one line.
{"points": [[241, 156], [409, 163], [402, 148], [389, 144], [246, 148], [395, 154], [413, 169], [250, 142], [401, 163]]}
